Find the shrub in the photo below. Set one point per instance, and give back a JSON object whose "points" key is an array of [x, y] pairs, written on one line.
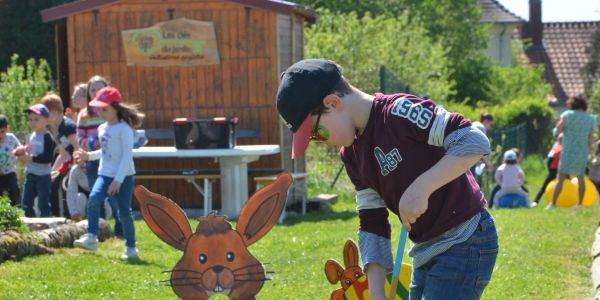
{"points": [[9, 216], [361, 45], [21, 86], [594, 99], [536, 113]]}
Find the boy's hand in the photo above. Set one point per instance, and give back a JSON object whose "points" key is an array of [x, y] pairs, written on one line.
{"points": [[54, 175], [413, 203], [19, 151], [114, 188]]}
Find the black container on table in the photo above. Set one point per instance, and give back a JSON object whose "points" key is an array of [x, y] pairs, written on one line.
{"points": [[204, 133]]}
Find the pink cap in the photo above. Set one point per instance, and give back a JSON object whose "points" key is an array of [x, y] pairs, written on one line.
{"points": [[301, 137]]}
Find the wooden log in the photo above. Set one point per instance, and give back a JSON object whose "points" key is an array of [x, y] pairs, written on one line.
{"points": [[16, 245]]}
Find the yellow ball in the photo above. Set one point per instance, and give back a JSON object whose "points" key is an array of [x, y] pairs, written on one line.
{"points": [[569, 195]]}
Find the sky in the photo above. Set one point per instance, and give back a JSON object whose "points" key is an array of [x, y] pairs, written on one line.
{"points": [[558, 10]]}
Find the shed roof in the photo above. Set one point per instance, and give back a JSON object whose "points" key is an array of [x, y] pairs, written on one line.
{"points": [[279, 6], [564, 54], [494, 12]]}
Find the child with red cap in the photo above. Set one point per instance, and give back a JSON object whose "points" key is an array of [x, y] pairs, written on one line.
{"points": [[408, 155], [115, 174]]}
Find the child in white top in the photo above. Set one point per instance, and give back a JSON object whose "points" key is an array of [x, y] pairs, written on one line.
{"points": [[8, 162], [115, 174], [78, 192], [510, 176]]}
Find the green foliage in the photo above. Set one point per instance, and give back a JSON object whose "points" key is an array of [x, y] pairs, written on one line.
{"points": [[361, 45], [537, 114], [21, 86], [455, 24], [517, 81], [390, 8], [24, 32], [594, 98], [9, 216], [591, 70]]}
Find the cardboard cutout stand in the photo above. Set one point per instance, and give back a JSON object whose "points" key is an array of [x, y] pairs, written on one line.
{"points": [[215, 256]]}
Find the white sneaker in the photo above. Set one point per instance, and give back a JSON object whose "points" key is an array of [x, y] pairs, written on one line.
{"points": [[551, 206], [130, 253], [87, 241], [533, 204]]}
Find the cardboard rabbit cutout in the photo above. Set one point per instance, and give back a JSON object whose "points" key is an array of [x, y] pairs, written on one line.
{"points": [[215, 257], [335, 273], [355, 284]]}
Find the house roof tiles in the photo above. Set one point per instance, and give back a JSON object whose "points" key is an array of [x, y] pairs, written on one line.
{"points": [[494, 12], [564, 53]]}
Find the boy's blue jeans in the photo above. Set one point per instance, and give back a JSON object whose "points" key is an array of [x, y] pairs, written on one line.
{"points": [[36, 185], [463, 271], [91, 172], [123, 200]]}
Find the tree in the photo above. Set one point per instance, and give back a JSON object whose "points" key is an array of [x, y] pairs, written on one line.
{"points": [[453, 23], [23, 31], [362, 45], [21, 86], [389, 8], [591, 71], [520, 80]]}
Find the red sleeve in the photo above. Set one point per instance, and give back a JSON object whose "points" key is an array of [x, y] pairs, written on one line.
{"points": [[347, 155], [423, 120]]}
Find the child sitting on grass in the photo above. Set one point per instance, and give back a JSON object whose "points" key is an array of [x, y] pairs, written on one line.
{"points": [[510, 177]]}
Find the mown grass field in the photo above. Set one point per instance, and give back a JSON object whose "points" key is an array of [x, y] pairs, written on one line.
{"points": [[543, 255]]}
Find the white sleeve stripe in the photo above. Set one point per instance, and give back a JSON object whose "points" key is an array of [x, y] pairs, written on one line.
{"points": [[436, 134], [368, 199]]}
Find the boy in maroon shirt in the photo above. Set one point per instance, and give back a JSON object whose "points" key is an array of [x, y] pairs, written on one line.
{"points": [[407, 155]]}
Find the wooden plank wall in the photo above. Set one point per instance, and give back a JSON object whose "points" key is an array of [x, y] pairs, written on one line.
{"points": [[290, 48], [244, 84]]}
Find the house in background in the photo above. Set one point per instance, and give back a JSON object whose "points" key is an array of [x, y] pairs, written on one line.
{"points": [[561, 47], [503, 23]]}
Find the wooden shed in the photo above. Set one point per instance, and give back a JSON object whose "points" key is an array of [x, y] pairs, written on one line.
{"points": [[256, 40]]}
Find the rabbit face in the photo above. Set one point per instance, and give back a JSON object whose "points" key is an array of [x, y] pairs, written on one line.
{"points": [[216, 257], [346, 276], [218, 263], [349, 276]]}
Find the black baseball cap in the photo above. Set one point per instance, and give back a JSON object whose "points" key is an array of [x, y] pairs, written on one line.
{"points": [[301, 90]]}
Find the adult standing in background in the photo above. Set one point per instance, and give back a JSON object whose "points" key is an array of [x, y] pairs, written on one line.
{"points": [[578, 128], [485, 123]]}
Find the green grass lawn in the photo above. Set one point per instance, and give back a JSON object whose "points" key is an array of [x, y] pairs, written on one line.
{"points": [[543, 255]]}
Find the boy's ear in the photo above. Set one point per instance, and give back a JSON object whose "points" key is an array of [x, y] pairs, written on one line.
{"points": [[333, 101]]}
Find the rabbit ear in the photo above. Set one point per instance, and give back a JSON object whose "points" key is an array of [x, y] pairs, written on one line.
{"points": [[350, 254], [164, 217], [333, 271], [261, 212]]}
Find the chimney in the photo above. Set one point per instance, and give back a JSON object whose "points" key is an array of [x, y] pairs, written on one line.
{"points": [[534, 28]]}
